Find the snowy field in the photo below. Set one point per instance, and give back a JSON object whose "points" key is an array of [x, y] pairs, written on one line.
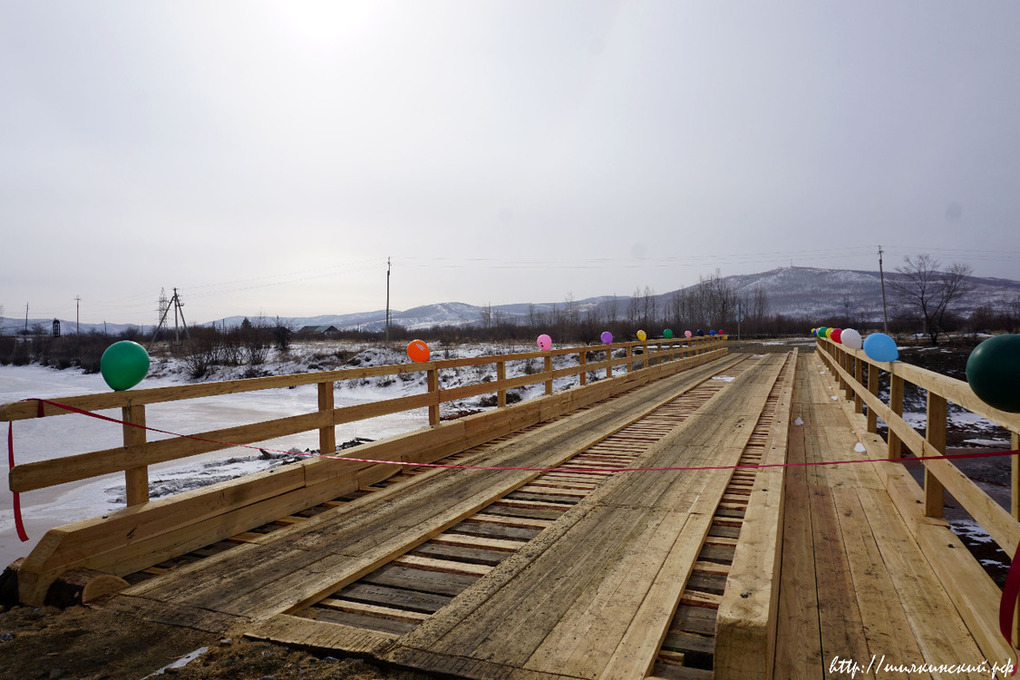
{"points": [[71, 434]]}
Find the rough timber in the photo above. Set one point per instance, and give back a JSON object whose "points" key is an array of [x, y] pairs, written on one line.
{"points": [[731, 572]]}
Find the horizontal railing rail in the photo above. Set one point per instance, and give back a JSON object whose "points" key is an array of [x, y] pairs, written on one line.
{"points": [[137, 454]]}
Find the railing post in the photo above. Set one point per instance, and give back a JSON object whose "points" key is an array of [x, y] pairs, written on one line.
{"points": [[609, 359], [500, 377], [859, 377], [548, 370], [1015, 492], [582, 359], [1015, 511], [630, 358], [327, 434], [433, 383], [136, 480], [873, 389], [896, 405], [847, 359], [935, 434]]}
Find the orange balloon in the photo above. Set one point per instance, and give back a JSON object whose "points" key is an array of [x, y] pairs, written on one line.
{"points": [[417, 350]]}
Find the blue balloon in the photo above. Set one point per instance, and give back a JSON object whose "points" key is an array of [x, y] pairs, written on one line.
{"points": [[880, 347], [711, 332], [701, 331]]}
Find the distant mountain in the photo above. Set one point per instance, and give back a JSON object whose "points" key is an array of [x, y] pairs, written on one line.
{"points": [[800, 292], [827, 293]]}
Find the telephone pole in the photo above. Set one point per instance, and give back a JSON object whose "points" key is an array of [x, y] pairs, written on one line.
{"points": [[178, 318], [77, 315], [881, 274], [387, 299]]}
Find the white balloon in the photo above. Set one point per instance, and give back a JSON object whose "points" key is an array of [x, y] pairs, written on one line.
{"points": [[851, 339]]}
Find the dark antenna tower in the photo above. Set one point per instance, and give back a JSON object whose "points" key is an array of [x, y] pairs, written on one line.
{"points": [[178, 308]]}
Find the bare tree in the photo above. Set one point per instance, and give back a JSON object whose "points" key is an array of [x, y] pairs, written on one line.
{"points": [[928, 291]]}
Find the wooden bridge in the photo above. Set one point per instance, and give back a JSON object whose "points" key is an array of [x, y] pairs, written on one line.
{"points": [[530, 555]]}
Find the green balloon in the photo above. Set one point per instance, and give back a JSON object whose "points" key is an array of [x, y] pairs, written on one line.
{"points": [[124, 364], [993, 372], [667, 333]]}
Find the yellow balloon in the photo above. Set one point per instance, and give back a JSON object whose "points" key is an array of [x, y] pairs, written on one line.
{"points": [[642, 336], [828, 333]]}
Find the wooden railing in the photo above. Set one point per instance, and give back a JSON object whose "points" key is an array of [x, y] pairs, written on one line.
{"points": [[859, 377], [150, 531], [137, 454]]}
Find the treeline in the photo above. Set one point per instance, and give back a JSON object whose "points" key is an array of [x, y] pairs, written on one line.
{"points": [[712, 304]]}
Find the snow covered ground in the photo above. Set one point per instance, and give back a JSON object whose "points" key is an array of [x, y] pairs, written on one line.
{"points": [[70, 434]]}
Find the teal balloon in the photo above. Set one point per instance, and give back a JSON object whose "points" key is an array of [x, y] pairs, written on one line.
{"points": [[880, 347], [124, 364], [993, 372], [668, 333]]}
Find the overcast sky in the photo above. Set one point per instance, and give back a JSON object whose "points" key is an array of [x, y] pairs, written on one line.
{"points": [[268, 157]]}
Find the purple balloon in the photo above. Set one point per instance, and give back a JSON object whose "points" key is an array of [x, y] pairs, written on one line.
{"points": [[607, 337]]}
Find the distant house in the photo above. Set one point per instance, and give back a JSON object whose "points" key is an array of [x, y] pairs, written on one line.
{"points": [[319, 331]]}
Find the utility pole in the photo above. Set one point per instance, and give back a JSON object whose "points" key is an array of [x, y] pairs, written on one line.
{"points": [[881, 274], [77, 315], [178, 318], [387, 299]]}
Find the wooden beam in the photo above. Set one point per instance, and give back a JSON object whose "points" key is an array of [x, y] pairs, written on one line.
{"points": [[136, 479], [896, 388], [935, 433], [327, 433]]}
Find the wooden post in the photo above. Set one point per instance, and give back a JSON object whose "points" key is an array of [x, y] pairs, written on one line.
{"points": [[873, 388], [500, 377], [548, 370], [433, 382], [609, 358], [1015, 511], [136, 480], [582, 359], [935, 434], [848, 367], [327, 434], [896, 404], [1015, 493], [859, 377], [630, 358]]}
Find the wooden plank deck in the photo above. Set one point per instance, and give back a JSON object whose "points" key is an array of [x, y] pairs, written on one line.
{"points": [[588, 574], [855, 586], [594, 595], [306, 561]]}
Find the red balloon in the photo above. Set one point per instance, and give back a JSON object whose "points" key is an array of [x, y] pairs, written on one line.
{"points": [[837, 333]]}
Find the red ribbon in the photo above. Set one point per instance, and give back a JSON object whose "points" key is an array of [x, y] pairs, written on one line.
{"points": [[19, 524]]}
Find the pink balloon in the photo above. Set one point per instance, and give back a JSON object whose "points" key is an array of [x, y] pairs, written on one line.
{"points": [[688, 334], [544, 342]]}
